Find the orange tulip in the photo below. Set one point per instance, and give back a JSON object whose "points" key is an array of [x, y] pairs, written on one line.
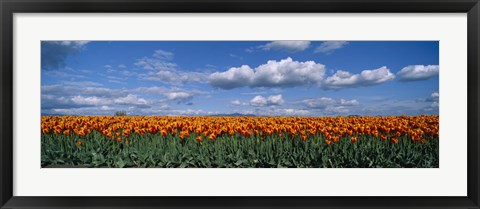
{"points": [[353, 139]]}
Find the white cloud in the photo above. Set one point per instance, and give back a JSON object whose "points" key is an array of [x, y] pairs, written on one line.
{"points": [[270, 101], [329, 105], [164, 55], [318, 103], [343, 79], [155, 64], [290, 111], [186, 112], [160, 60], [275, 100], [163, 75], [235, 102], [418, 72], [100, 101], [109, 68], [258, 101], [130, 100], [71, 44], [174, 94], [232, 78], [337, 109], [84, 99], [288, 46], [236, 56], [105, 108], [434, 100], [352, 102], [127, 73], [434, 96], [90, 105], [160, 68], [328, 47], [285, 73], [82, 83], [90, 100], [177, 95], [63, 74]]}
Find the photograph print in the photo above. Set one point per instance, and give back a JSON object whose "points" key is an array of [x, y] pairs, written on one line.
{"points": [[239, 104]]}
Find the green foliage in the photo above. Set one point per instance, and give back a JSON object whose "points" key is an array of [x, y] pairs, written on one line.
{"points": [[154, 150]]}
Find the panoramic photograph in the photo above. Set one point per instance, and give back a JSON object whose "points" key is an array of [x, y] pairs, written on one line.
{"points": [[239, 104]]}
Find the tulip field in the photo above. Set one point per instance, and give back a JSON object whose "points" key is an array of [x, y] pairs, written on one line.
{"points": [[240, 141]]}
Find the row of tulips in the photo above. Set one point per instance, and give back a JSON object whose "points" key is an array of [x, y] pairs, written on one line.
{"points": [[246, 142], [419, 128]]}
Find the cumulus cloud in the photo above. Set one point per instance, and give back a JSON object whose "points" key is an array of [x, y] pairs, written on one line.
{"points": [[329, 106], [318, 103], [270, 101], [163, 55], [101, 101], [337, 109], [50, 102], [232, 78], [284, 73], [343, 79], [288, 111], [54, 53], [235, 102], [275, 111], [149, 63], [418, 72], [62, 97], [119, 70], [258, 101], [328, 47], [434, 97], [105, 108], [352, 102], [160, 68], [433, 101], [275, 100], [177, 95], [288, 46], [181, 96], [174, 77], [130, 100], [328, 103], [82, 83], [89, 105], [94, 101]]}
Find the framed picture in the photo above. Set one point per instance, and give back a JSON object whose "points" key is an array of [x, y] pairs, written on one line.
{"points": [[232, 104]]}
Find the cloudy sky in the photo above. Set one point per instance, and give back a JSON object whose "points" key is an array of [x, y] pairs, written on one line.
{"points": [[312, 78]]}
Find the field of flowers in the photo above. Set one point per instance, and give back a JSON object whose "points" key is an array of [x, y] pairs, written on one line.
{"points": [[246, 142]]}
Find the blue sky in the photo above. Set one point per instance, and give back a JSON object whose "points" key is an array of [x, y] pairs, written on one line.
{"points": [[312, 78]]}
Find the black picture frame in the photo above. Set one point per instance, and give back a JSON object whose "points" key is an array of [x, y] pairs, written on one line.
{"points": [[9, 7]]}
